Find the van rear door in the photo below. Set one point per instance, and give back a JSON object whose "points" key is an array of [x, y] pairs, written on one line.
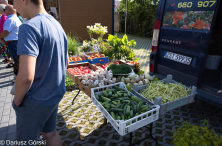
{"points": [[183, 39]]}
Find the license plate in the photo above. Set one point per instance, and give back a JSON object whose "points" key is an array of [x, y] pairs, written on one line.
{"points": [[177, 57]]}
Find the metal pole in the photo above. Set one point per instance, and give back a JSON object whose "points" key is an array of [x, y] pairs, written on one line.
{"points": [[126, 17]]}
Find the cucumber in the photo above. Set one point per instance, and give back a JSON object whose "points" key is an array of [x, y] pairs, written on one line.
{"points": [[123, 117], [112, 90], [131, 113], [110, 93], [122, 105], [136, 99], [114, 106], [97, 97], [145, 108], [117, 115], [118, 118], [119, 94], [116, 110], [124, 111], [108, 107], [105, 93], [126, 98], [126, 101], [129, 94], [126, 105], [120, 113], [128, 110], [132, 103], [115, 95], [113, 115], [118, 88], [134, 109], [114, 102], [125, 95], [105, 99]]}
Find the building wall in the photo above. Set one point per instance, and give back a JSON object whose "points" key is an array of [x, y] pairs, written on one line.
{"points": [[77, 14]]}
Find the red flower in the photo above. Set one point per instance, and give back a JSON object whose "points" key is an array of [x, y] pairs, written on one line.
{"points": [[185, 20]]}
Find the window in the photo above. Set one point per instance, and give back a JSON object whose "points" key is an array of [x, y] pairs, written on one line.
{"points": [[199, 20]]}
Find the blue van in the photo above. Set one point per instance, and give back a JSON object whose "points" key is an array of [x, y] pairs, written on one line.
{"points": [[187, 43]]}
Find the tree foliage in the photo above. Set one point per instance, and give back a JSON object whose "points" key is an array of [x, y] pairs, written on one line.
{"points": [[140, 16]]}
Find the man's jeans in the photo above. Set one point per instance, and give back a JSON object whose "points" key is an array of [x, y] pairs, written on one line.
{"points": [[12, 46]]}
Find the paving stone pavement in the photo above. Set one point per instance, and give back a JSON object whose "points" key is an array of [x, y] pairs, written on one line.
{"points": [[7, 113], [142, 50]]}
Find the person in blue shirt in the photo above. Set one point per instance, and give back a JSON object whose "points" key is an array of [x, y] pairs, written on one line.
{"points": [[40, 82], [20, 18]]}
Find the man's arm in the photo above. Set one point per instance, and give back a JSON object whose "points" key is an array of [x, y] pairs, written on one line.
{"points": [[3, 34], [24, 78], [67, 59]]}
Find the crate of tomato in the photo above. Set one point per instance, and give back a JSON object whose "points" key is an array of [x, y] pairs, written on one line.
{"points": [[95, 57], [78, 59], [79, 69]]}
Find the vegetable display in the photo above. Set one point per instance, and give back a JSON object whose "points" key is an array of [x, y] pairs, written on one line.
{"points": [[98, 78], [168, 92], [80, 70], [121, 104], [119, 69], [140, 80]]}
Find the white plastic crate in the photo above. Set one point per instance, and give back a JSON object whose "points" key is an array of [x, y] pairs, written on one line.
{"points": [[120, 125], [169, 105]]}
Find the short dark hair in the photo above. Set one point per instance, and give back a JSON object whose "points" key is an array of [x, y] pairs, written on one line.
{"points": [[36, 2]]}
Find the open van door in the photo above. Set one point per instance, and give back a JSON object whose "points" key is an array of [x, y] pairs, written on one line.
{"points": [[180, 39]]}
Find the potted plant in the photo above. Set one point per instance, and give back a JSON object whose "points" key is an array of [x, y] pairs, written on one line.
{"points": [[194, 135], [215, 51]]}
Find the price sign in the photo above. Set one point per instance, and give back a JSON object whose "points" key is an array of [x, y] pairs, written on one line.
{"points": [[184, 5]]}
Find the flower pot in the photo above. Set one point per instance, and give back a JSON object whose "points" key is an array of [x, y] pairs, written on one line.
{"points": [[212, 62]]}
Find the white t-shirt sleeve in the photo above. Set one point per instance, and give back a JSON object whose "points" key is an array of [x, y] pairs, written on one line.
{"points": [[8, 25]]}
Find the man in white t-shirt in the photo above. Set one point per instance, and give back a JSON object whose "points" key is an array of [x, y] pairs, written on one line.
{"points": [[10, 32]]}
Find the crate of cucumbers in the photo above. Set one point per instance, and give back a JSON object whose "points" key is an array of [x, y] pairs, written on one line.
{"points": [[125, 111]]}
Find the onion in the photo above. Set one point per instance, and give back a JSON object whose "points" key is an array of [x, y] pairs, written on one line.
{"points": [[101, 84], [133, 81], [122, 79], [140, 83], [128, 84], [132, 76], [114, 80], [137, 79], [151, 78], [145, 81], [110, 82], [83, 82], [127, 80], [142, 76]]}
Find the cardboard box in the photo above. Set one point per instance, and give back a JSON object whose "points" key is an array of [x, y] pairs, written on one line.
{"points": [[96, 60], [85, 89], [74, 77]]}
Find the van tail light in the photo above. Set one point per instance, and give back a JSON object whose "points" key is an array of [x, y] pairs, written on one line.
{"points": [[156, 35], [151, 67], [155, 40]]}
